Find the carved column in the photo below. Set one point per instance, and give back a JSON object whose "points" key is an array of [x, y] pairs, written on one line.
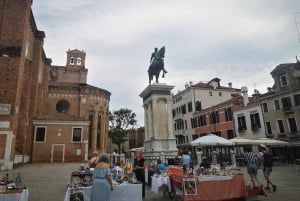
{"points": [[95, 128], [102, 132], [146, 120], [155, 118], [150, 123], [169, 119]]}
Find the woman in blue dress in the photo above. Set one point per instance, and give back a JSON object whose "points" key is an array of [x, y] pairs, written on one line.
{"points": [[102, 182]]}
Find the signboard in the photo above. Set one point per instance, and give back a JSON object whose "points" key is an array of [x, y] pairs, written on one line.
{"points": [[5, 109]]}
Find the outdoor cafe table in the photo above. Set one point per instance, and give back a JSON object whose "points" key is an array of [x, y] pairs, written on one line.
{"points": [[122, 192], [215, 189], [15, 195]]}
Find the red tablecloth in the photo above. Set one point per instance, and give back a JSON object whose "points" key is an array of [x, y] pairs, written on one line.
{"points": [[215, 190]]}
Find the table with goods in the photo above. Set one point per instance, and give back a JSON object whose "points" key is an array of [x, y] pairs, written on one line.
{"points": [[11, 188], [125, 186]]}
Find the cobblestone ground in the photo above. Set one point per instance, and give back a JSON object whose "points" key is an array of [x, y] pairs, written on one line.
{"points": [[48, 182]]}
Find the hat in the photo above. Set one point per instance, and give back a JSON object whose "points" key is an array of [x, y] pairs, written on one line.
{"points": [[263, 146]]}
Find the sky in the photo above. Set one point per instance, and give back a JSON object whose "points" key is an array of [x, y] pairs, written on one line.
{"points": [[238, 41]]}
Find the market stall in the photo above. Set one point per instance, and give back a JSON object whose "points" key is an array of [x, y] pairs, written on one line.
{"points": [[122, 192], [210, 187], [15, 195]]}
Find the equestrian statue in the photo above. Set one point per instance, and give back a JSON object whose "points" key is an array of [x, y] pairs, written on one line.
{"points": [[157, 64]]}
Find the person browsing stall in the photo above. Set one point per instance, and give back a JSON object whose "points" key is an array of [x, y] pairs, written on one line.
{"points": [[102, 181], [160, 167], [139, 168]]}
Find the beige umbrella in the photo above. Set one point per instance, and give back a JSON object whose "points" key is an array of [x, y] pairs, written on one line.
{"points": [[238, 141], [271, 142]]}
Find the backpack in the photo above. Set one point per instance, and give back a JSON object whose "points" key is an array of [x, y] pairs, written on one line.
{"points": [[268, 160]]}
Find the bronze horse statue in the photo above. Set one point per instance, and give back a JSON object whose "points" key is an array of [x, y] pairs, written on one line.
{"points": [[157, 64]]}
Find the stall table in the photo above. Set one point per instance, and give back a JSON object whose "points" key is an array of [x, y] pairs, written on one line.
{"points": [[217, 190], [123, 192], [158, 182], [15, 195]]}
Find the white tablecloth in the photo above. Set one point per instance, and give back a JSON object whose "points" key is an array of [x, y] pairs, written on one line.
{"points": [[159, 181], [132, 192], [15, 196]]}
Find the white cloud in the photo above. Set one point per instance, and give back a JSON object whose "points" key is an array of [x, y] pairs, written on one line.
{"points": [[237, 41]]}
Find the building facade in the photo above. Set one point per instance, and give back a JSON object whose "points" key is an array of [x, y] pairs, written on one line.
{"points": [[194, 98], [47, 113], [281, 105], [217, 119]]}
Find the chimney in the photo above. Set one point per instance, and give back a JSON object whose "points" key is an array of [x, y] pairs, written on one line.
{"points": [[186, 85], [191, 83], [230, 85], [244, 91]]}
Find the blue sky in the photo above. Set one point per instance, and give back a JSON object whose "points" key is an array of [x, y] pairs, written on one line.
{"points": [[237, 41]]}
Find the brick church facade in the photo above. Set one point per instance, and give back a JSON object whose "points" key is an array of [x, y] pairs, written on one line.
{"points": [[47, 113]]}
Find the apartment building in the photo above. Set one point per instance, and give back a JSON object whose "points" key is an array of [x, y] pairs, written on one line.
{"points": [[195, 98]]}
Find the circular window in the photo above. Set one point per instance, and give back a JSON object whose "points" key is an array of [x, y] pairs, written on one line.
{"points": [[62, 106]]}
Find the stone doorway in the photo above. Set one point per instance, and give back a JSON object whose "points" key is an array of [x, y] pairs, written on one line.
{"points": [[57, 153]]}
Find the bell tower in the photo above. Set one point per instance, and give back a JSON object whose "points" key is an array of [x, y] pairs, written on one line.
{"points": [[75, 59]]}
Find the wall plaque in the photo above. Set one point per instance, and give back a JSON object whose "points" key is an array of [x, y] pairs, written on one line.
{"points": [[5, 109], [4, 124]]}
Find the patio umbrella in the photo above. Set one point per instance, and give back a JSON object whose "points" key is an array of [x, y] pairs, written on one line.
{"points": [[210, 140], [271, 142], [243, 141]]}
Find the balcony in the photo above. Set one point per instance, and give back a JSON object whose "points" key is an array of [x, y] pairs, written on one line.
{"points": [[288, 110]]}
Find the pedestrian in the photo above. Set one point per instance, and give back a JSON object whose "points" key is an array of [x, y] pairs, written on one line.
{"points": [[186, 160], [251, 160], [267, 161], [139, 169], [102, 181]]}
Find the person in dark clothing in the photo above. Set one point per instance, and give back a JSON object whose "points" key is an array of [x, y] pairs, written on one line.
{"points": [[267, 161], [139, 169]]}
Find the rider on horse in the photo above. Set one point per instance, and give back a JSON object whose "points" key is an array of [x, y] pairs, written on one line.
{"points": [[156, 56], [157, 64]]}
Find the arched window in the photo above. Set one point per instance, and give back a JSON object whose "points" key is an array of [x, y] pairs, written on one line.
{"points": [[78, 61], [72, 60]]}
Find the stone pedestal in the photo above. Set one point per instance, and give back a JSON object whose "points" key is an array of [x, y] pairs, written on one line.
{"points": [[157, 103]]}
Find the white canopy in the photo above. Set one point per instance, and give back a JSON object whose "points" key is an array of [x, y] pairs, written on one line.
{"points": [[243, 141], [210, 140], [271, 142], [137, 149]]}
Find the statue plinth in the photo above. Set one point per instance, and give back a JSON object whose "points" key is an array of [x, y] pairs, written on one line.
{"points": [[157, 102]]}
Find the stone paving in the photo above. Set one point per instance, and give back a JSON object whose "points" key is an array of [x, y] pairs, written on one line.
{"points": [[48, 182]]}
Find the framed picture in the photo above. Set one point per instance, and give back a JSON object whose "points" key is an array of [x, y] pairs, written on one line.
{"points": [[76, 196], [190, 186]]}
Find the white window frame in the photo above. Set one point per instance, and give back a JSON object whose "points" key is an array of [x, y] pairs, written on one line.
{"points": [[278, 104], [279, 126], [80, 136], [287, 81], [35, 131], [72, 60], [78, 61]]}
